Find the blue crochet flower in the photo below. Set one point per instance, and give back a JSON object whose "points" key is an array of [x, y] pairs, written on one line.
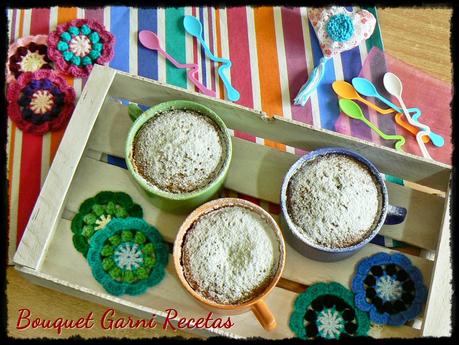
{"points": [[390, 288], [340, 28], [128, 256]]}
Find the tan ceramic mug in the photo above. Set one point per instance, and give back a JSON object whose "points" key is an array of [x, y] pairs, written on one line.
{"points": [[256, 304]]}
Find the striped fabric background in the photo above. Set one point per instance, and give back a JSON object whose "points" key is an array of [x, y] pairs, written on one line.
{"points": [[271, 48]]}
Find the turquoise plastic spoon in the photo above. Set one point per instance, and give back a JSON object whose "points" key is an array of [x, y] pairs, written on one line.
{"points": [[366, 88], [194, 27], [352, 109]]}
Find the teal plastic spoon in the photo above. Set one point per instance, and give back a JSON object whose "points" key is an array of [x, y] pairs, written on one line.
{"points": [[367, 88], [352, 109], [194, 27]]}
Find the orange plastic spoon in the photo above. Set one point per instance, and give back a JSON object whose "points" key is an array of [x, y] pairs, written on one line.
{"points": [[410, 128]]}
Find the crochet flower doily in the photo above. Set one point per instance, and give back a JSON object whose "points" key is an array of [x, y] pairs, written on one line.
{"points": [[27, 54], [77, 45], [128, 256], [338, 29], [327, 310], [95, 213], [390, 288], [40, 101]]}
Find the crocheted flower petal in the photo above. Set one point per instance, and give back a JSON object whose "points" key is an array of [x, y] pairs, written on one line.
{"points": [[361, 302], [378, 318]]}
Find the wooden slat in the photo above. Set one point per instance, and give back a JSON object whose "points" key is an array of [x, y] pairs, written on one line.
{"points": [[258, 171], [93, 176], [307, 271], [74, 272], [437, 320], [292, 133], [48, 207]]}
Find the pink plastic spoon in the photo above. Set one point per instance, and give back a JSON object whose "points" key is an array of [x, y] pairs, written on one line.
{"points": [[151, 41]]}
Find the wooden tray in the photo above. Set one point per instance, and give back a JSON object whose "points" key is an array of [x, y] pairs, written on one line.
{"points": [[99, 126]]}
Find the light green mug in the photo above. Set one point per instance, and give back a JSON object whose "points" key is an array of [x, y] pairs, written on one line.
{"points": [[164, 200]]}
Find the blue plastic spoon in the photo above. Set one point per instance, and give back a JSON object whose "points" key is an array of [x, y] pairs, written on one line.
{"points": [[194, 27], [366, 88]]}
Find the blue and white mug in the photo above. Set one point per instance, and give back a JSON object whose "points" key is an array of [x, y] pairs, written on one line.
{"points": [[389, 214]]}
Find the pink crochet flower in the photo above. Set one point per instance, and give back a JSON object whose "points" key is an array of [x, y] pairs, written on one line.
{"points": [[77, 45], [27, 54], [40, 101]]}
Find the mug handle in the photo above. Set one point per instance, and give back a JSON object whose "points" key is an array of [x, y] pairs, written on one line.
{"points": [[134, 111], [395, 215], [264, 315]]}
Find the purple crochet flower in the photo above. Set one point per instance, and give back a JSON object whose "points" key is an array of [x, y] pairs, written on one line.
{"points": [[390, 288], [77, 45]]}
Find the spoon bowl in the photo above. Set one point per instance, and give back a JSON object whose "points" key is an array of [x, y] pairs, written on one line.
{"points": [[365, 87], [192, 26], [149, 40], [351, 109], [393, 84], [345, 90]]}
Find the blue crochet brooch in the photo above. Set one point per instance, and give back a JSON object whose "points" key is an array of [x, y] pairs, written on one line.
{"points": [[128, 256], [389, 288]]}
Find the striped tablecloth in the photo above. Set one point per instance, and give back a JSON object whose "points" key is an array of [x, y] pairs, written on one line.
{"points": [[272, 50]]}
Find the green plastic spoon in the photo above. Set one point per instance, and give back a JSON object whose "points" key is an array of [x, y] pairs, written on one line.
{"points": [[352, 109]]}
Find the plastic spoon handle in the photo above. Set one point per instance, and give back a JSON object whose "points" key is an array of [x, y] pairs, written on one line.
{"points": [[192, 74], [436, 139], [375, 107], [412, 129], [394, 86], [425, 131], [233, 94]]}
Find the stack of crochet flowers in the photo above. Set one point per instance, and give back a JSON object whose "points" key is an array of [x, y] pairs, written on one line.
{"points": [[39, 98]]}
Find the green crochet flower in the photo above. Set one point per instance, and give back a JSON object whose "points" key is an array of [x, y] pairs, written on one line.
{"points": [[128, 257], [95, 213], [327, 310]]}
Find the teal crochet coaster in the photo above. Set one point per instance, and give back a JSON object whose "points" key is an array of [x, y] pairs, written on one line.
{"points": [[95, 213], [327, 310], [128, 257]]}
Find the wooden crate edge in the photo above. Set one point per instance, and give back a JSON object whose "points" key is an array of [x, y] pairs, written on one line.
{"points": [[48, 207]]}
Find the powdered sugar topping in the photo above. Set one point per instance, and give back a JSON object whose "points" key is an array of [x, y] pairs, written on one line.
{"points": [[179, 151], [334, 201], [230, 254]]}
